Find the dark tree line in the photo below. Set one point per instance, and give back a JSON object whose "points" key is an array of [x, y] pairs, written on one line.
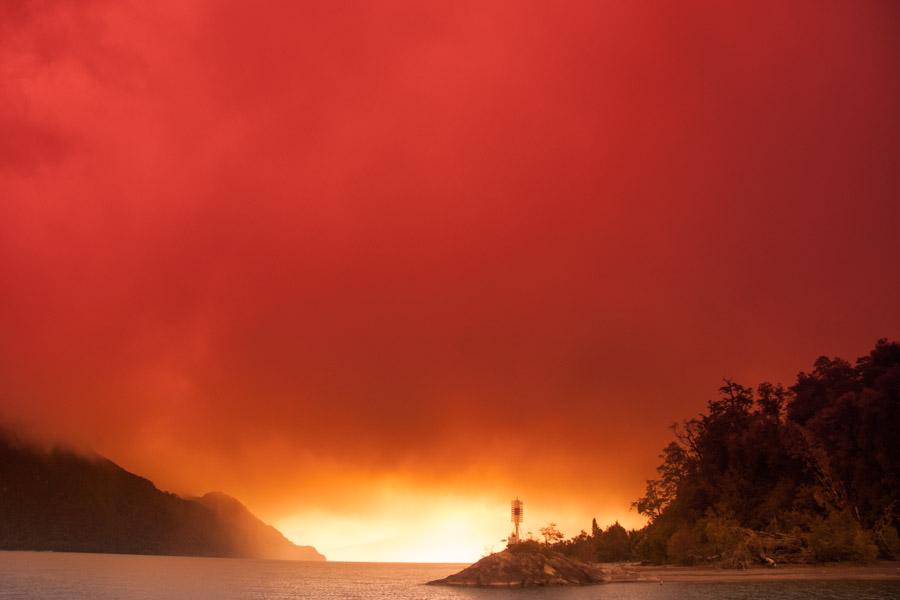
{"points": [[775, 474], [809, 472], [614, 544]]}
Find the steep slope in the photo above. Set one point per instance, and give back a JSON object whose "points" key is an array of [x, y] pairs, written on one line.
{"points": [[63, 501], [255, 537]]}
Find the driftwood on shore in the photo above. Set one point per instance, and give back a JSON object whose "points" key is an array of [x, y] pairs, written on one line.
{"points": [[766, 548]]}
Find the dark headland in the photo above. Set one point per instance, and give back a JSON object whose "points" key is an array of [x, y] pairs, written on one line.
{"points": [[769, 482], [64, 501]]}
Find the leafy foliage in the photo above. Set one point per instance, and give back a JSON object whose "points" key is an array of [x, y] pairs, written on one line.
{"points": [[809, 472], [818, 461], [551, 534]]}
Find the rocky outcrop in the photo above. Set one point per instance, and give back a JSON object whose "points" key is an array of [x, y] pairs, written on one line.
{"points": [[525, 568]]}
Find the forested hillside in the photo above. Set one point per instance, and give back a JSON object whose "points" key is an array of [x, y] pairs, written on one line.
{"points": [[773, 474]]}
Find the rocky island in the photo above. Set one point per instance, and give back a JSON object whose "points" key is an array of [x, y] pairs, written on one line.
{"points": [[525, 565]]}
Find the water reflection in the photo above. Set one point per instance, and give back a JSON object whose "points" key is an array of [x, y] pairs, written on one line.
{"points": [[58, 576]]}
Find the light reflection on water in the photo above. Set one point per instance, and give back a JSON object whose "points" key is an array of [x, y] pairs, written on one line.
{"points": [[62, 576]]}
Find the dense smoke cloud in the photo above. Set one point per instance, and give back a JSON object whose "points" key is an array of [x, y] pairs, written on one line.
{"points": [[296, 250]]}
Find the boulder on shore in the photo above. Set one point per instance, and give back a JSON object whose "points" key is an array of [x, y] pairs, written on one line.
{"points": [[525, 568]]}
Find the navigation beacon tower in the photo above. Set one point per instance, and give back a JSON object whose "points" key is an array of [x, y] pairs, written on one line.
{"points": [[517, 513]]}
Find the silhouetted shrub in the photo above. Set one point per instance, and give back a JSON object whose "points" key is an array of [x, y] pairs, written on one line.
{"points": [[888, 542], [613, 545], [530, 546], [684, 547], [840, 537]]}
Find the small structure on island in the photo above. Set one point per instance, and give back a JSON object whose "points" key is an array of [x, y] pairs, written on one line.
{"points": [[517, 514], [524, 563]]}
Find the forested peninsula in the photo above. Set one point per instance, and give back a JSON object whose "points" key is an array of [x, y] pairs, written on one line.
{"points": [[773, 474]]}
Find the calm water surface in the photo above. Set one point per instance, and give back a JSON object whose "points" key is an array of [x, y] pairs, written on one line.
{"points": [[52, 576]]}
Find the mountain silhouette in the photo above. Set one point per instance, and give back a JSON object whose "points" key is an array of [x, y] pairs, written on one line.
{"points": [[65, 501]]}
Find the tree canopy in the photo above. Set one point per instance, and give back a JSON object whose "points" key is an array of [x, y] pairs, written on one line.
{"points": [[810, 472]]}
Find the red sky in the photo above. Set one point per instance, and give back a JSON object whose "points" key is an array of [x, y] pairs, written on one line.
{"points": [[375, 268]]}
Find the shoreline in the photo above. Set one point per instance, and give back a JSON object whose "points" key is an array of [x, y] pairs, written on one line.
{"points": [[629, 573]]}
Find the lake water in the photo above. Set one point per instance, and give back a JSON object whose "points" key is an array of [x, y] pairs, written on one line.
{"points": [[52, 576]]}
